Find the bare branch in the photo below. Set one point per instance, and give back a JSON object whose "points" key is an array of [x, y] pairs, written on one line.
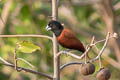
{"points": [[103, 48], [102, 40], [71, 63], [15, 59], [4, 61], [56, 75], [108, 59], [26, 62], [113, 36], [25, 69], [88, 48], [30, 35]]}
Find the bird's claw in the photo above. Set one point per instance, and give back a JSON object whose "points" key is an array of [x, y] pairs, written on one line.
{"points": [[66, 51]]}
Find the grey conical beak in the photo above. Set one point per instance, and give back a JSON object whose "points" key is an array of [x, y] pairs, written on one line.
{"points": [[48, 28]]}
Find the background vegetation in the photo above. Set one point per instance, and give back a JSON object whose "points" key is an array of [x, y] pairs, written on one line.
{"points": [[84, 17]]}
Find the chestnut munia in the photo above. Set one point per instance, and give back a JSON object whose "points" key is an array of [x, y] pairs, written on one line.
{"points": [[65, 37]]}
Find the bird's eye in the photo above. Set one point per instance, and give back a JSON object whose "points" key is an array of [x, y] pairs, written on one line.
{"points": [[51, 25]]}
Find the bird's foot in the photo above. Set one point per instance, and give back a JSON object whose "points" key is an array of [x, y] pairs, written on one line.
{"points": [[66, 51]]}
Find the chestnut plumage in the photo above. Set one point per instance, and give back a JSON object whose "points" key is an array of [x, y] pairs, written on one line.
{"points": [[65, 37]]}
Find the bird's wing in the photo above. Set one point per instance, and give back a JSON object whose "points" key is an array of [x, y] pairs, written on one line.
{"points": [[69, 34]]}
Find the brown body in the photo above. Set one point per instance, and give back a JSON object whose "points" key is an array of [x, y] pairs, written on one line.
{"points": [[68, 40]]}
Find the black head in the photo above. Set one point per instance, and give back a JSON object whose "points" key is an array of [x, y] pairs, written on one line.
{"points": [[55, 27]]}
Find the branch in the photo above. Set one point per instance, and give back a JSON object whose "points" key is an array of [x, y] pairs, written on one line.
{"points": [[103, 48], [108, 59], [56, 62], [114, 36], [71, 63], [70, 54], [15, 59], [25, 69], [96, 58], [4, 61], [30, 35], [26, 62]]}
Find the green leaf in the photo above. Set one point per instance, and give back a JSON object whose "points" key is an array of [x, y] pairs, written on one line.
{"points": [[27, 47]]}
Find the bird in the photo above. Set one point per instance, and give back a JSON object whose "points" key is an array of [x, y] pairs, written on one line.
{"points": [[65, 37]]}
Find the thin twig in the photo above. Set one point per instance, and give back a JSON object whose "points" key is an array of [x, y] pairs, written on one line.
{"points": [[89, 47], [30, 71], [29, 35], [71, 63], [108, 59], [15, 59], [4, 61], [102, 40], [25, 69], [103, 48], [26, 62]]}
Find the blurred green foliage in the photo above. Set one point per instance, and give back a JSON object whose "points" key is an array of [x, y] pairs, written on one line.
{"points": [[31, 17]]}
